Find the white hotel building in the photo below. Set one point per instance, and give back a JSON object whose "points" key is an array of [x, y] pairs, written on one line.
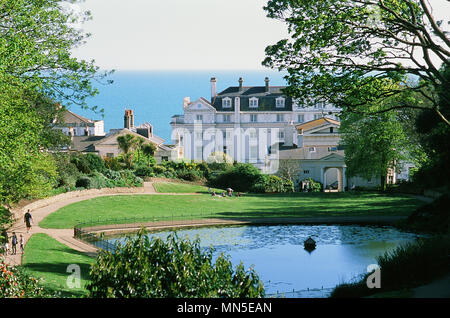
{"points": [[248, 123]]}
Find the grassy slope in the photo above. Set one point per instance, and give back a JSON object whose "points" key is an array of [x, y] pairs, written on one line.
{"points": [[298, 205], [46, 258], [173, 187]]}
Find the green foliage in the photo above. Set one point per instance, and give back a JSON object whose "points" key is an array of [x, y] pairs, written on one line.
{"points": [[127, 143], [173, 268], [36, 42], [25, 170], [144, 171], [88, 163], [241, 177], [158, 169], [113, 163], [373, 144], [273, 184], [348, 52], [83, 182], [314, 186], [435, 139]]}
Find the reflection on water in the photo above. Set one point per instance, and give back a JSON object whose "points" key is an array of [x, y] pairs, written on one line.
{"points": [[276, 252]]}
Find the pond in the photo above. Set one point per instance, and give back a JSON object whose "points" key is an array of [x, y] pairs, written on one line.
{"points": [[342, 254]]}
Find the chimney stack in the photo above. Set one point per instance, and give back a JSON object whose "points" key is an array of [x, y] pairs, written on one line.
{"points": [[267, 84], [213, 88], [128, 119], [240, 83]]}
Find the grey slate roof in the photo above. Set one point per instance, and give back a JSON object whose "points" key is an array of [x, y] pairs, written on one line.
{"points": [[266, 100], [85, 143]]}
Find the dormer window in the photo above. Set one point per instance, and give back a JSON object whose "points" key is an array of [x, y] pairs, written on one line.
{"points": [[226, 102], [279, 102], [253, 102]]}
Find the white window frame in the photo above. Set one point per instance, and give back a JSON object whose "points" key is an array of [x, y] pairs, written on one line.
{"points": [[280, 118], [253, 102], [281, 135], [303, 118], [226, 118], [255, 117], [199, 117], [280, 102], [226, 102]]}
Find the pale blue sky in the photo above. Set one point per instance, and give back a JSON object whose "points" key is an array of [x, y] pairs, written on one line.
{"points": [[178, 34], [185, 34]]}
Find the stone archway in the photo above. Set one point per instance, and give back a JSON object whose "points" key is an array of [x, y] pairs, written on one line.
{"points": [[340, 177]]}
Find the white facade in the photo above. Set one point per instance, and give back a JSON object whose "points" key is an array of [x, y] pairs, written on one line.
{"points": [[246, 134]]}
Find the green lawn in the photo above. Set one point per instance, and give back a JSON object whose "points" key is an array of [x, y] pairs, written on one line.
{"points": [[46, 258], [174, 187], [148, 207]]}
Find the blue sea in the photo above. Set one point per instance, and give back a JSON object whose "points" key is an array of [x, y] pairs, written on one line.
{"points": [[155, 96]]}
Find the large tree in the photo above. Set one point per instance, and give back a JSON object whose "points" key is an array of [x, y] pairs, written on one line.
{"points": [[355, 52], [373, 144], [36, 42], [37, 71], [25, 170]]}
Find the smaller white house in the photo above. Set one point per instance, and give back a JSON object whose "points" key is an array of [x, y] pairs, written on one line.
{"points": [[314, 152], [72, 124]]}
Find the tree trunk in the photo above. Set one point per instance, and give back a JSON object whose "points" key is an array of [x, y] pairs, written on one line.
{"points": [[383, 183]]}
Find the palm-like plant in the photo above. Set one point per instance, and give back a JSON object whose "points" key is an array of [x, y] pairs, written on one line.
{"points": [[148, 150], [126, 144]]}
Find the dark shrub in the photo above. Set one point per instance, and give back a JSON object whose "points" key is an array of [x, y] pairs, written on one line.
{"points": [[190, 175], [113, 163], [433, 217], [95, 162], [272, 184], [143, 171], [241, 177], [83, 182]]}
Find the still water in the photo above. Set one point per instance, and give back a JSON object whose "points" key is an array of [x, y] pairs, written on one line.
{"points": [[343, 252]]}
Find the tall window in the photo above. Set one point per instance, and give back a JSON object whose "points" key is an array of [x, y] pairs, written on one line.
{"points": [[301, 118], [199, 117], [281, 135], [253, 153], [199, 152], [280, 117], [226, 118], [253, 118]]}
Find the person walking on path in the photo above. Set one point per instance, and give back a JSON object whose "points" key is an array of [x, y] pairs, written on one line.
{"points": [[21, 241], [6, 246], [28, 219], [13, 243]]}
